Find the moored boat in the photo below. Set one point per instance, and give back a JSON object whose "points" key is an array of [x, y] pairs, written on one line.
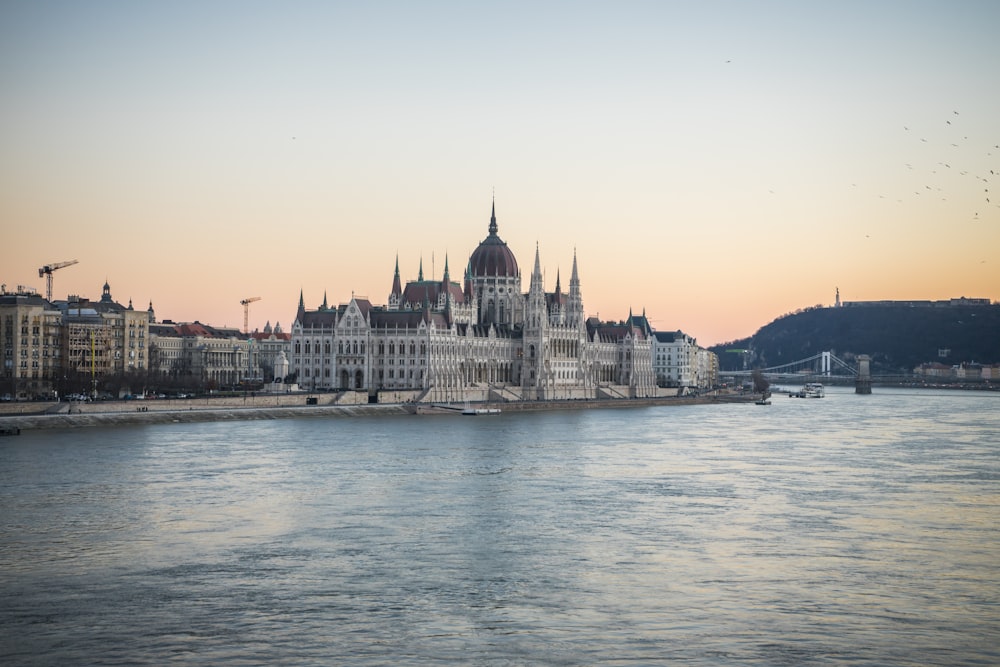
{"points": [[809, 390], [475, 412]]}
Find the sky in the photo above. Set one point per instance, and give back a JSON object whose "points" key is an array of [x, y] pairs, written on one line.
{"points": [[714, 164]]}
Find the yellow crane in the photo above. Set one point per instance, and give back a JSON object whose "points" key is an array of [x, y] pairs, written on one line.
{"points": [[47, 272], [246, 312]]}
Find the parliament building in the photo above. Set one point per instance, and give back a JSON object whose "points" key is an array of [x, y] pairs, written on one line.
{"points": [[482, 338]]}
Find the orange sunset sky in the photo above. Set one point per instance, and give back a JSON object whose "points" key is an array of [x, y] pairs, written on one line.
{"points": [[717, 164]]}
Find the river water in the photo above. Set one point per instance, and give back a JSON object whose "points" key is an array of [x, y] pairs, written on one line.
{"points": [[851, 530]]}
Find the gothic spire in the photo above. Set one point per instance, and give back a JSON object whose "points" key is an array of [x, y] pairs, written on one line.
{"points": [[420, 275], [493, 218], [397, 287]]}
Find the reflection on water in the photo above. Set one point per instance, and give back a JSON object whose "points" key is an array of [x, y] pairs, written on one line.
{"points": [[856, 530]]}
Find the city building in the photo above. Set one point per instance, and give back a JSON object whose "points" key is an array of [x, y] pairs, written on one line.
{"points": [[271, 344], [30, 333], [104, 339], [479, 339], [199, 355], [70, 346]]}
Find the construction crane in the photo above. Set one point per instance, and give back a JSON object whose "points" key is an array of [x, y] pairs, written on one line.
{"points": [[47, 272], [246, 312]]}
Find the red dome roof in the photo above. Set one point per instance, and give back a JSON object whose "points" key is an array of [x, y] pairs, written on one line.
{"points": [[493, 257]]}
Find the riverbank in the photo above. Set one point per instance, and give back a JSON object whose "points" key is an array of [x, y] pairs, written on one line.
{"points": [[153, 414]]}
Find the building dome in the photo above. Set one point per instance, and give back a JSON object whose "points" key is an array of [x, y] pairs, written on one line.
{"points": [[493, 257]]}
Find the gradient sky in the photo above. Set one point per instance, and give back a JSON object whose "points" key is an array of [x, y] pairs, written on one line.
{"points": [[718, 164]]}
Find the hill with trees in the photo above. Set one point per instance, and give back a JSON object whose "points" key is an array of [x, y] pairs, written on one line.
{"points": [[898, 336]]}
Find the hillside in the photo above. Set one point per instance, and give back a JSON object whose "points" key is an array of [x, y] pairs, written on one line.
{"points": [[897, 337]]}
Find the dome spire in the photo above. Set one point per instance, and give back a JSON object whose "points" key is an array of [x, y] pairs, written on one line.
{"points": [[493, 217]]}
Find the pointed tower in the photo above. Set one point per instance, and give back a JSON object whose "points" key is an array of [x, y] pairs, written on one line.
{"points": [[444, 289], [535, 333], [420, 274], [557, 313], [397, 288], [324, 306], [300, 314], [574, 303], [535, 311], [151, 313]]}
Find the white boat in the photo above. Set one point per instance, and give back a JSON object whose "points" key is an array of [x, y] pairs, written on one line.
{"points": [[809, 390], [470, 411]]}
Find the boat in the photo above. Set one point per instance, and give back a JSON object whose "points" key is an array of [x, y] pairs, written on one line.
{"points": [[470, 411], [809, 390], [10, 430]]}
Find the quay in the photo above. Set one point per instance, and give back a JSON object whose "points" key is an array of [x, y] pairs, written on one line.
{"points": [[50, 416]]}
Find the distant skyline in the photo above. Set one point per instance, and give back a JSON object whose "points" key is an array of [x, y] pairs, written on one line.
{"points": [[717, 164]]}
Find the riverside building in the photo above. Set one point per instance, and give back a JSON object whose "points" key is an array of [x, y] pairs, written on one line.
{"points": [[481, 338]]}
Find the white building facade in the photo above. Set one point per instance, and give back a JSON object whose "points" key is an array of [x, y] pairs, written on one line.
{"points": [[483, 339]]}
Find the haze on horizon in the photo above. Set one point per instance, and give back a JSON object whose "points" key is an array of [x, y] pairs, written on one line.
{"points": [[717, 164]]}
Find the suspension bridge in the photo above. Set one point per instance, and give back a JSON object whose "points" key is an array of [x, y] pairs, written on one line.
{"points": [[820, 365]]}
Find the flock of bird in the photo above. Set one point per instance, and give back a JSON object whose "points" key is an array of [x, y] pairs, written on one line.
{"points": [[959, 163]]}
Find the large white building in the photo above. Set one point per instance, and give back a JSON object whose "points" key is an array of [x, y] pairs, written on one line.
{"points": [[678, 361], [479, 339]]}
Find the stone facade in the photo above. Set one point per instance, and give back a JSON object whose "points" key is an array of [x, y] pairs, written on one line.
{"points": [[439, 340], [50, 346]]}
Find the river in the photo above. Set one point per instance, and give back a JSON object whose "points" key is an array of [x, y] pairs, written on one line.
{"points": [[849, 530]]}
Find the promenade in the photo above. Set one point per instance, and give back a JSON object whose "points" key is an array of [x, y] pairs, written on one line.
{"points": [[34, 416]]}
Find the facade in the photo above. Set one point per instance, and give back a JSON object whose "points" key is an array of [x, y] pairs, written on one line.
{"points": [[204, 355], [271, 344], [52, 348], [678, 361], [30, 335], [104, 338], [675, 359], [481, 339]]}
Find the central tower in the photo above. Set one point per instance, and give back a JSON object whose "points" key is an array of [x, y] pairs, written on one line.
{"points": [[496, 280]]}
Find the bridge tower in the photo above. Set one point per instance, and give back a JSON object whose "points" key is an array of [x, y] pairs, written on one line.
{"points": [[825, 364], [863, 384]]}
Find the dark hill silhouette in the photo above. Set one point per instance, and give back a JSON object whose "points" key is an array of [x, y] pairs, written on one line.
{"points": [[897, 337]]}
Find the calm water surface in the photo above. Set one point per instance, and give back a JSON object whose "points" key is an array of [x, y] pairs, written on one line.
{"points": [[858, 530]]}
